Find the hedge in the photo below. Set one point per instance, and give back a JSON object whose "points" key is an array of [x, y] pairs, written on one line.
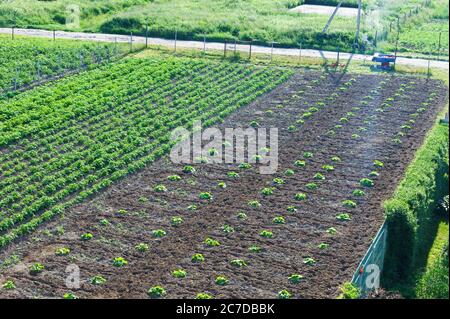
{"points": [[414, 202]]}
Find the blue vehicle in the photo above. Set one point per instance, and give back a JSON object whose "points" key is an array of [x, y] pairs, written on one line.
{"points": [[385, 61]]}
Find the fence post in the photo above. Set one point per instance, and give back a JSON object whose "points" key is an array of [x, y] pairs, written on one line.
{"points": [[176, 38], [204, 44], [146, 34], [300, 52], [131, 41], [54, 35], [439, 46], [225, 49], [250, 52], [12, 32], [429, 65]]}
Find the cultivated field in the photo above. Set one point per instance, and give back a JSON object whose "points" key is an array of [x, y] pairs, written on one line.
{"points": [[202, 230]]}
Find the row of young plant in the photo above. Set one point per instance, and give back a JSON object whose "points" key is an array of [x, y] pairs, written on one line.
{"points": [[26, 60], [212, 101], [267, 192], [83, 146]]}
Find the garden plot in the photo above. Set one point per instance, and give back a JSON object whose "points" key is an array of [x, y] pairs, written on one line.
{"points": [[226, 231]]}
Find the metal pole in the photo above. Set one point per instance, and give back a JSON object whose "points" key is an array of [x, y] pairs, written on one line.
{"points": [[396, 49], [271, 53], [204, 44], [300, 52], [429, 62], [176, 37], [250, 52], [358, 21], [338, 57], [225, 49], [146, 35], [54, 35], [235, 46], [13, 32], [131, 41]]}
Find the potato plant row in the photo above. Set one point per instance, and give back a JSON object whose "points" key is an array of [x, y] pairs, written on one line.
{"points": [[64, 142]]}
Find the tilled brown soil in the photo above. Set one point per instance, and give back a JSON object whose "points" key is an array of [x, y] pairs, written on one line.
{"points": [[298, 238]]}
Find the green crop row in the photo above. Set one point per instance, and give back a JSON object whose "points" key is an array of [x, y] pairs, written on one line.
{"points": [[66, 141], [26, 60]]}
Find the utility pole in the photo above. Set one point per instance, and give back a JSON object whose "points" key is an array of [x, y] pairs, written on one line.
{"points": [[358, 22]]}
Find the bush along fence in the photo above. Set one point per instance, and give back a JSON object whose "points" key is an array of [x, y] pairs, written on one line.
{"points": [[408, 212]]}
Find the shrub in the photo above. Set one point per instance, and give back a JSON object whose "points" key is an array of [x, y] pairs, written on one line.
{"points": [[156, 292]]}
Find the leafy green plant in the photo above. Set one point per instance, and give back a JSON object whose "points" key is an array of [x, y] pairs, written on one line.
{"points": [[98, 280], [227, 229], [309, 261], [254, 204], [36, 269], [279, 220], [69, 296], [222, 185], [245, 166], [206, 196], [157, 292], [159, 233], [198, 258], [176, 221], [308, 155], [267, 191], [378, 164], [222, 281], [358, 193], [332, 231], [289, 172], [295, 278], [266, 234], [319, 176], [233, 174], [367, 182], [160, 189], [9, 285], [242, 216], [349, 291], [328, 168], [119, 262], [179, 273], [300, 163], [284, 294], [142, 247], [63, 251], [312, 186], [344, 217], [86, 236], [291, 209], [278, 181], [212, 242], [374, 174], [174, 178], [188, 169], [204, 296], [255, 249], [323, 246], [349, 203], [300, 196], [238, 263]]}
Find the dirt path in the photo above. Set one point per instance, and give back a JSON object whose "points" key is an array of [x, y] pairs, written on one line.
{"points": [[215, 46]]}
